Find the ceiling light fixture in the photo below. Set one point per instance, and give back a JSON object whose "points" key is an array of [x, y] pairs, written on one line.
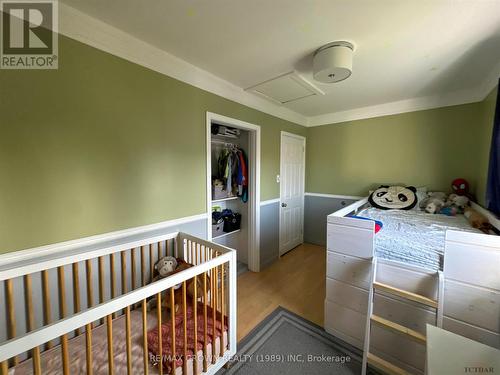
{"points": [[333, 62]]}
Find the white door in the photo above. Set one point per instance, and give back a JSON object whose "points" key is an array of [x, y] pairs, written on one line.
{"points": [[292, 166]]}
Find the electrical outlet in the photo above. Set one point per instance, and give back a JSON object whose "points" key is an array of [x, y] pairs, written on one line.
{"points": [[277, 178]]}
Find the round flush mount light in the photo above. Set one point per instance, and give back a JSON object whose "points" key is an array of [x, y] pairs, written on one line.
{"points": [[333, 62]]}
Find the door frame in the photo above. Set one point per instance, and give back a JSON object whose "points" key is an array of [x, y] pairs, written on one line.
{"points": [[253, 155], [302, 138]]}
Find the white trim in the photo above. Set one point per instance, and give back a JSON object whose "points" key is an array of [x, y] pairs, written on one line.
{"points": [[67, 246], [333, 196], [254, 177], [404, 106], [93, 32], [269, 201]]}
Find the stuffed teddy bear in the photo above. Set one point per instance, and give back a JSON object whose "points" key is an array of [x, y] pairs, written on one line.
{"points": [[168, 266]]}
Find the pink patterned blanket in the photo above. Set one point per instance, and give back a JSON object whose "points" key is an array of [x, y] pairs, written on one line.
{"points": [[179, 335]]}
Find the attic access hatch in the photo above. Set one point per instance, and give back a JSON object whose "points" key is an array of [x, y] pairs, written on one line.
{"points": [[285, 88]]}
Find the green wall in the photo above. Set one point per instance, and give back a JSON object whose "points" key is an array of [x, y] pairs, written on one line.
{"points": [[485, 132], [103, 144], [428, 148]]}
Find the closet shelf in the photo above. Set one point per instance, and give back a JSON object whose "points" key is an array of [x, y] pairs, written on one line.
{"points": [[225, 234], [224, 199]]}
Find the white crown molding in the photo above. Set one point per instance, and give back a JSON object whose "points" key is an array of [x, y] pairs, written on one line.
{"points": [[93, 32], [408, 105]]}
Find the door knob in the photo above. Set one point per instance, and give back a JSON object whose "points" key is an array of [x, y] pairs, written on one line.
{"points": [[283, 204]]}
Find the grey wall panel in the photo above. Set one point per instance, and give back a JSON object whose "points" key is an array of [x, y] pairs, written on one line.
{"points": [[269, 234], [316, 209]]}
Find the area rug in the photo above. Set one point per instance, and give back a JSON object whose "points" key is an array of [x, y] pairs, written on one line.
{"points": [[285, 343]]}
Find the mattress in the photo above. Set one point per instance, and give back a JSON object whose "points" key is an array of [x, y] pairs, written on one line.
{"points": [[51, 360], [414, 237]]}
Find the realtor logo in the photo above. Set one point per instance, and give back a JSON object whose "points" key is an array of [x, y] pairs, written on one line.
{"points": [[29, 34]]}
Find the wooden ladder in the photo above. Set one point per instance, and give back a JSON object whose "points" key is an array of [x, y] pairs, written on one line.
{"points": [[375, 361]]}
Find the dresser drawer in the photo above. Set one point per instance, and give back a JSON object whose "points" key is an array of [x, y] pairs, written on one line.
{"points": [[472, 332], [345, 320], [477, 306], [350, 270], [347, 295]]}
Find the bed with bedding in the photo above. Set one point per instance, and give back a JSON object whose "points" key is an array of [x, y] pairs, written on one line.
{"points": [[414, 237], [383, 287]]}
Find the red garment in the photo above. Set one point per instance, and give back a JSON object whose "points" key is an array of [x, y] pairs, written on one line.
{"points": [[243, 167], [179, 334]]}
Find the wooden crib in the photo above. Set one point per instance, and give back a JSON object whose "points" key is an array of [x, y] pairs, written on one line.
{"points": [[84, 309]]}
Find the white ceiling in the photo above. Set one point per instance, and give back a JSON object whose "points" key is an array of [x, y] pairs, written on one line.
{"points": [[407, 51]]}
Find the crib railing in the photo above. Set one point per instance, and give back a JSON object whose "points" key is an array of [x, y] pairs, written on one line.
{"points": [[66, 306]]}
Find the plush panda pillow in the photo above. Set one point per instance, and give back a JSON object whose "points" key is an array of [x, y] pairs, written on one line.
{"points": [[394, 198]]}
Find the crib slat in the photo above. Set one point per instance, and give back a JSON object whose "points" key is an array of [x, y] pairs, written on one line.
{"points": [[88, 349], [160, 339], [172, 328], [63, 312], [76, 292], [109, 332], [112, 276], [145, 336], [90, 287], [128, 340], [134, 274], [143, 266], [222, 309], [4, 367], [28, 292], [159, 250], [214, 295], [205, 326], [124, 273], [100, 267], [184, 312], [9, 291], [195, 321], [47, 319], [151, 263], [101, 278]]}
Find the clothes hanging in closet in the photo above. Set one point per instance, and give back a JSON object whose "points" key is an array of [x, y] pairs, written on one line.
{"points": [[232, 165]]}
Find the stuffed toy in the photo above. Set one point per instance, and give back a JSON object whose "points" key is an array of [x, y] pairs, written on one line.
{"points": [[460, 186], [477, 220], [168, 266], [434, 202], [432, 205], [457, 201], [394, 198]]}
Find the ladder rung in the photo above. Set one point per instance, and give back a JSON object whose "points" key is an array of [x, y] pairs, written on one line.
{"points": [[385, 366], [398, 328], [405, 294]]}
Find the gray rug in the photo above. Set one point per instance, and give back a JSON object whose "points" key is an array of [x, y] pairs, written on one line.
{"points": [[284, 343]]}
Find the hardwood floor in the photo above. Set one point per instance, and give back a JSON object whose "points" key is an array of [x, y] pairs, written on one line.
{"points": [[296, 282]]}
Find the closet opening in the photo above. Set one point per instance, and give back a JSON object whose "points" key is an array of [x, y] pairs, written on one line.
{"points": [[233, 188]]}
